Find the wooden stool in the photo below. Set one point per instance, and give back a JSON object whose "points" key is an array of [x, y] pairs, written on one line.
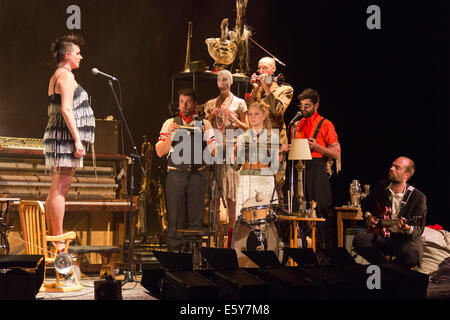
{"points": [[108, 254], [194, 238]]}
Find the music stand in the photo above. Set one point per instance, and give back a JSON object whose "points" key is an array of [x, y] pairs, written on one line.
{"points": [[299, 151], [134, 155]]}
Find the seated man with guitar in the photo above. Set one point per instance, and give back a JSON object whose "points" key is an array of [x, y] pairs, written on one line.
{"points": [[395, 215]]}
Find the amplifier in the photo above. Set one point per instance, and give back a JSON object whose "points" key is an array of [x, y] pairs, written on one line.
{"points": [[350, 233], [106, 136]]}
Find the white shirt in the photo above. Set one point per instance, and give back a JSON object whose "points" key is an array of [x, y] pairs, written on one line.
{"points": [[396, 199]]}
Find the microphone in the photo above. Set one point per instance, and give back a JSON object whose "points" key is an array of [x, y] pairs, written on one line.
{"points": [[96, 72], [196, 117], [298, 115]]}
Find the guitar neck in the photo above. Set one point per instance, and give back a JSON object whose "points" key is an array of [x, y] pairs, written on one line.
{"points": [[393, 222]]}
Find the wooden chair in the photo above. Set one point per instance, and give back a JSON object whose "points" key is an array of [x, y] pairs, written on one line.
{"points": [[32, 220]]}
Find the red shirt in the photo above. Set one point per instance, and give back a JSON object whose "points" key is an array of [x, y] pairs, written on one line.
{"points": [[306, 127]]}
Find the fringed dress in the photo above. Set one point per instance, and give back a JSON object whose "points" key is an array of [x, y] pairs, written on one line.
{"points": [[59, 145]]}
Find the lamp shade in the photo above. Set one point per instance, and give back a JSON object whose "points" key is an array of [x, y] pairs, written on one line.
{"points": [[300, 150]]}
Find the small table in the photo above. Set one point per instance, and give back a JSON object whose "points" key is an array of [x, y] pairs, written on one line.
{"points": [[293, 231], [346, 213]]}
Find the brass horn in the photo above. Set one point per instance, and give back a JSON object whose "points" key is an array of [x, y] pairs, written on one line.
{"points": [[187, 62]]}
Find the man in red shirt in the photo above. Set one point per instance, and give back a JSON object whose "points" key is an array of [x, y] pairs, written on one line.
{"points": [[324, 144]]}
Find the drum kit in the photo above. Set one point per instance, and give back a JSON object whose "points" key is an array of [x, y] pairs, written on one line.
{"points": [[257, 228]]}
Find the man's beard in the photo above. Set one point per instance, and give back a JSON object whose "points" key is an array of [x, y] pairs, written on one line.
{"points": [[187, 113], [309, 114], [392, 178]]}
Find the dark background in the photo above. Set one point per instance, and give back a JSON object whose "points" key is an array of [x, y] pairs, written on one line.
{"points": [[385, 90]]}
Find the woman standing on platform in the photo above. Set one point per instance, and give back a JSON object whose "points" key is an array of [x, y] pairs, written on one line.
{"points": [[263, 155], [69, 131]]}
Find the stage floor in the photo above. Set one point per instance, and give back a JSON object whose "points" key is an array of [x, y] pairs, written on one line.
{"points": [[130, 291], [135, 291]]}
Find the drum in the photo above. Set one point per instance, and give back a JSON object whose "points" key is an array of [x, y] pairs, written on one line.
{"points": [[261, 237], [257, 215]]}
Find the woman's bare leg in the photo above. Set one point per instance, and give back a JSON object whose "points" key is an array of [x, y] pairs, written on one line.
{"points": [[56, 198]]}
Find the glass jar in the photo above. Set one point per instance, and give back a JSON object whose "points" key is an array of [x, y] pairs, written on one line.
{"points": [[355, 193]]}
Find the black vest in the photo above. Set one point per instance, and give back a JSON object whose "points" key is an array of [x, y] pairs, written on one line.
{"points": [[192, 141]]}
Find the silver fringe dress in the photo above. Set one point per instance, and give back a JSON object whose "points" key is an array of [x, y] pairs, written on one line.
{"points": [[59, 145]]}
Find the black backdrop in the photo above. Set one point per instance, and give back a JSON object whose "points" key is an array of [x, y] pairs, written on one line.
{"points": [[385, 90]]}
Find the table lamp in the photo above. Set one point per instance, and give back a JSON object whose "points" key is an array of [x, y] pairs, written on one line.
{"points": [[299, 151]]}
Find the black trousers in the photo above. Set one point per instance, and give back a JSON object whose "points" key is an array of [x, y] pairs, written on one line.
{"points": [[373, 248], [185, 195], [318, 188]]}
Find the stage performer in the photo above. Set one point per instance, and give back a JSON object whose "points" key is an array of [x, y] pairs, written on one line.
{"points": [[69, 131], [186, 182], [258, 157], [324, 144], [405, 202], [277, 97], [226, 112]]}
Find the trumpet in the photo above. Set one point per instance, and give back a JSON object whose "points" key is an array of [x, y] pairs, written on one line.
{"points": [[269, 79]]}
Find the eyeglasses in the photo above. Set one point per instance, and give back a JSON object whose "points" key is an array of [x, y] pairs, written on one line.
{"points": [[306, 105]]}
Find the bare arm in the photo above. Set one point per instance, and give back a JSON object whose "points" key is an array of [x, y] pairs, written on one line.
{"points": [[242, 121], [332, 151]]}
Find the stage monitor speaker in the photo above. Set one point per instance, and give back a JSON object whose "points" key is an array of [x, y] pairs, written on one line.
{"points": [[410, 284], [152, 281], [188, 285], [22, 277], [174, 261], [234, 283], [339, 256], [221, 259], [106, 136], [178, 281], [284, 284], [302, 256], [263, 259], [108, 289]]}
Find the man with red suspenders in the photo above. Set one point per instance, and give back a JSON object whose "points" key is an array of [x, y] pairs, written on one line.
{"points": [[324, 144]]}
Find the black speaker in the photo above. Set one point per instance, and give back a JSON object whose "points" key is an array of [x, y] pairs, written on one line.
{"points": [[188, 285], [108, 289], [152, 281], [234, 283], [410, 284], [302, 256], [284, 284], [266, 258], [106, 136], [22, 276], [174, 261], [221, 259], [179, 281]]}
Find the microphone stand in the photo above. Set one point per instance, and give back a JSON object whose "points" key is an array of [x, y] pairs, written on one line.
{"points": [[134, 155], [291, 195], [212, 168]]}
